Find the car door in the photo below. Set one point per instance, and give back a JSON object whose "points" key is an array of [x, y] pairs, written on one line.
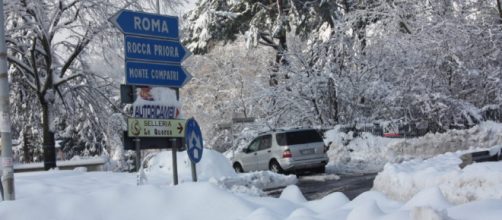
{"points": [[249, 161], [264, 152]]}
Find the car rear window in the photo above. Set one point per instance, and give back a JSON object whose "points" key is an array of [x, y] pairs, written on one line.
{"points": [[298, 137]]}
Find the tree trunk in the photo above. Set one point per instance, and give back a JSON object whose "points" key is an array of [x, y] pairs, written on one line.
{"points": [[27, 146], [281, 47], [333, 101], [48, 143], [499, 8]]}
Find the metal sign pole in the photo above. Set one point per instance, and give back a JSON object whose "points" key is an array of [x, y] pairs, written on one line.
{"points": [[5, 123], [174, 150], [137, 143], [194, 171]]}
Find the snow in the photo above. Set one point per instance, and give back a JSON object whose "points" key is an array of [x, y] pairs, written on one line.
{"points": [[431, 197], [213, 167], [441, 175], [419, 189], [367, 153], [486, 210], [293, 194]]}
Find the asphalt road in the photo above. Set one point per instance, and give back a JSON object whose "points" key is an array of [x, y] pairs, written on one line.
{"points": [[317, 186]]}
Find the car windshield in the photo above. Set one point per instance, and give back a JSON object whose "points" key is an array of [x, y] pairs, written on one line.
{"points": [[298, 137]]}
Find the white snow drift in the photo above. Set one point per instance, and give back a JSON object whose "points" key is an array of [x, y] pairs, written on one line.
{"points": [[477, 181], [77, 195], [369, 153], [213, 167]]}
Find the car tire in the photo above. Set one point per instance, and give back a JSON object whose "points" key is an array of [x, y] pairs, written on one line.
{"points": [[238, 168], [275, 167]]}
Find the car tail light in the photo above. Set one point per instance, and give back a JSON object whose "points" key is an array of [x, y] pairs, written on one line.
{"points": [[287, 154]]}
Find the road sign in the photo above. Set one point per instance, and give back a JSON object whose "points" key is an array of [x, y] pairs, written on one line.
{"points": [[193, 137], [140, 73], [151, 143], [142, 127], [156, 50], [146, 24]]}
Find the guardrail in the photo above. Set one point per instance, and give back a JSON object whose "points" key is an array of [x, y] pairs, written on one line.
{"points": [[494, 154], [94, 164]]}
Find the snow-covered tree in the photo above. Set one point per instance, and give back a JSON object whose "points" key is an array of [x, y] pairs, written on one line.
{"points": [[45, 41], [437, 62], [420, 63], [227, 82], [262, 22], [55, 83]]}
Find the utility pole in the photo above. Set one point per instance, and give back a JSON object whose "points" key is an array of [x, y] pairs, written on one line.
{"points": [[5, 123]]}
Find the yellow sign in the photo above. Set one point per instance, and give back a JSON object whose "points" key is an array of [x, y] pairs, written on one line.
{"points": [[144, 127]]}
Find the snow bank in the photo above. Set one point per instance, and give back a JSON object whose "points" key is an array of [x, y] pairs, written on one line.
{"points": [[484, 135], [159, 169], [213, 167], [477, 181], [61, 195], [363, 154], [368, 153]]}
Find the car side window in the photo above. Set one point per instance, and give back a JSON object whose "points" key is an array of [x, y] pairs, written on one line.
{"points": [[253, 147], [266, 142], [281, 139]]}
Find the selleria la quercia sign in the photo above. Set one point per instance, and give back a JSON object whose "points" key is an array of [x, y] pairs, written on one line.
{"points": [[152, 48]]}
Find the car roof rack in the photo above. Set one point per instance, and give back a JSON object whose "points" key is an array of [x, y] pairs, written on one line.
{"points": [[270, 131]]}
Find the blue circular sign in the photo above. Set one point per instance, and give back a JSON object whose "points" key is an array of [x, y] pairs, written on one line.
{"points": [[193, 138]]}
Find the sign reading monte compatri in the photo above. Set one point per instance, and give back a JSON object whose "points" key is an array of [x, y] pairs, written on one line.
{"points": [[156, 74]]}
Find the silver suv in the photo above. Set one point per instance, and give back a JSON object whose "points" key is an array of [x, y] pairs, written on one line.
{"points": [[283, 151]]}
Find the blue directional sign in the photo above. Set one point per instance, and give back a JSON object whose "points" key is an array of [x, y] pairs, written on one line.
{"points": [[157, 50], [154, 74], [146, 24], [193, 137], [152, 49]]}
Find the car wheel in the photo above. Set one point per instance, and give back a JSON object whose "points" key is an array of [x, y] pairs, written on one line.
{"points": [[238, 168], [275, 167]]}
